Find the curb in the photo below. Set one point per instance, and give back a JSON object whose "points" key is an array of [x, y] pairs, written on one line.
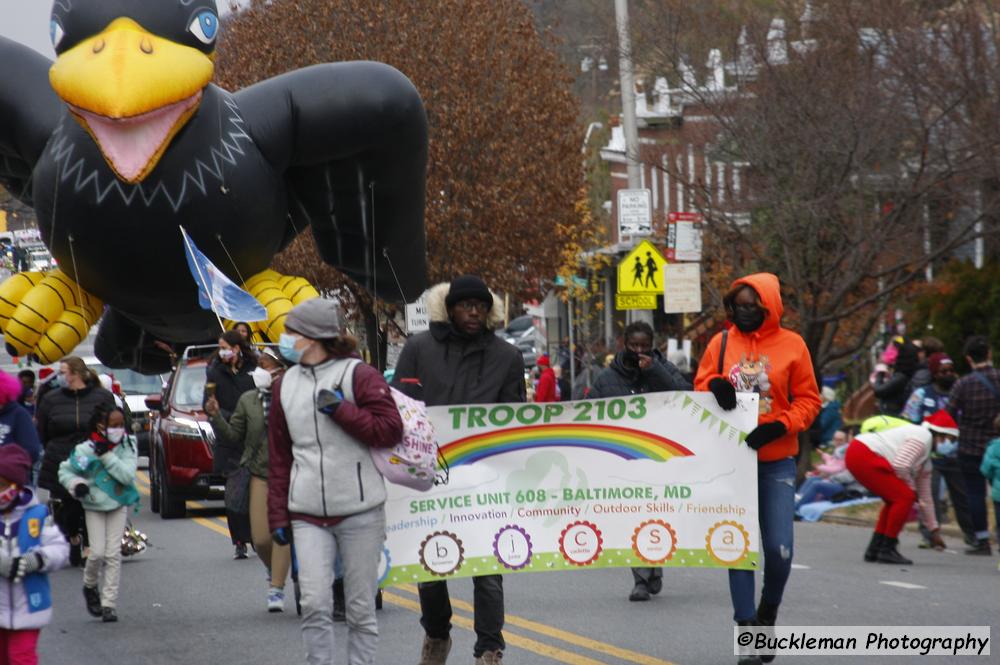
{"points": [[949, 530]]}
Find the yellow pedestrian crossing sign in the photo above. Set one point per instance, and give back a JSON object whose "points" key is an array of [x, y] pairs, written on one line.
{"points": [[641, 271]]}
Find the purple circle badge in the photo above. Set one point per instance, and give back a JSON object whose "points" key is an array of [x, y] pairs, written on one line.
{"points": [[512, 547]]}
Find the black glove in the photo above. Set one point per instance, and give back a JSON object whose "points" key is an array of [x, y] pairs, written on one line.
{"points": [[724, 393], [81, 490], [766, 433], [328, 400], [101, 447], [280, 536]]}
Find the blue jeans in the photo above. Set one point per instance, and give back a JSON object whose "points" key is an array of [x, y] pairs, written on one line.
{"points": [[817, 489], [776, 507], [975, 489]]}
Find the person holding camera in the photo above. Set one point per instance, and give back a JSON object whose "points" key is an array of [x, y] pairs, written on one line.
{"points": [[324, 491], [227, 378], [639, 368]]}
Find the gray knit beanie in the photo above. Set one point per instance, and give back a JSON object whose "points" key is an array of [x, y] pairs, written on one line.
{"points": [[316, 319]]}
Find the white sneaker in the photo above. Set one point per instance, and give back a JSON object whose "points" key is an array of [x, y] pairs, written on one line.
{"points": [[275, 600]]}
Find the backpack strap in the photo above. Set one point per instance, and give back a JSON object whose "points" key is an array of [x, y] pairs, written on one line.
{"points": [[722, 350], [986, 381], [345, 384]]}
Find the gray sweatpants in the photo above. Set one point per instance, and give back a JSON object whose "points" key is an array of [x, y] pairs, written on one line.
{"points": [[358, 539]]}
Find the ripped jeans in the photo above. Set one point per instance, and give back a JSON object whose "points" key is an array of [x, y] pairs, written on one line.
{"points": [[776, 507]]}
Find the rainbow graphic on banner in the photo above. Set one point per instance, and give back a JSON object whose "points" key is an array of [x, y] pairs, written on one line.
{"points": [[622, 442]]}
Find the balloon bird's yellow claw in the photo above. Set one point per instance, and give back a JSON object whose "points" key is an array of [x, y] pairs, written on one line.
{"points": [[45, 314], [278, 294]]}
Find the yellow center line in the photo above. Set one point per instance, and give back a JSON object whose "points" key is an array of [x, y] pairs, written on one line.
{"points": [[514, 639], [549, 651], [559, 634], [143, 477], [219, 527]]}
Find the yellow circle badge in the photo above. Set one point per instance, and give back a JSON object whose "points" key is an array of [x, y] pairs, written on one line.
{"points": [[654, 541], [727, 542]]}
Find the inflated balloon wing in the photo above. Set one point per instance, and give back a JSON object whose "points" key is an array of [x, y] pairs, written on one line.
{"points": [[124, 138]]}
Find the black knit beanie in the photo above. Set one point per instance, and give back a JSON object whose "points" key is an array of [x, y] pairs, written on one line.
{"points": [[468, 287]]}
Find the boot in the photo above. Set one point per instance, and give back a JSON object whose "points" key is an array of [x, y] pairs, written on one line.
{"points": [[93, 599], [656, 582], [889, 554], [748, 655], [767, 614], [871, 554], [980, 548], [490, 658], [339, 603], [434, 651], [640, 592]]}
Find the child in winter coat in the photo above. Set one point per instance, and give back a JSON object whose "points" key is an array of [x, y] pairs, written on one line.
{"points": [[990, 469], [31, 545], [101, 474]]}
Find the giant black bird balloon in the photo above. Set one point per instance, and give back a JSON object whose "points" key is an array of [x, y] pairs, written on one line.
{"points": [[123, 139]]}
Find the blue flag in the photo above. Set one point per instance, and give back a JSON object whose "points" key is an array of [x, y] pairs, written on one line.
{"points": [[216, 291]]}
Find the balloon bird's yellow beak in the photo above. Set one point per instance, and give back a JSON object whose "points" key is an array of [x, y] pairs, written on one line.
{"points": [[132, 91]]}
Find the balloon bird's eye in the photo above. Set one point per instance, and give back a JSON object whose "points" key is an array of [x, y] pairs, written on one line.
{"points": [[56, 33], [205, 26]]}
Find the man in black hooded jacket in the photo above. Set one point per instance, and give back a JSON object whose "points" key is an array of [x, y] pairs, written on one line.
{"points": [[639, 368], [461, 361]]}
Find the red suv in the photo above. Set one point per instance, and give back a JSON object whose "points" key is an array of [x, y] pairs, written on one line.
{"points": [[181, 440]]}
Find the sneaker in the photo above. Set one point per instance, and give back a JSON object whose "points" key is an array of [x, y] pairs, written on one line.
{"points": [[434, 651], [109, 615], [93, 599], [275, 600], [640, 592], [490, 658], [981, 548], [241, 551], [656, 584]]}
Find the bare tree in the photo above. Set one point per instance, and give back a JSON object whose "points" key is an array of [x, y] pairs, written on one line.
{"points": [[870, 144]]}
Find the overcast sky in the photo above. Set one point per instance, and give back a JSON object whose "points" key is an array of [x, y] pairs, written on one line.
{"points": [[27, 21]]}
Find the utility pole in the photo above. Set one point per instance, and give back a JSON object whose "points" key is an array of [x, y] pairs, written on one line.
{"points": [[626, 79], [629, 123]]}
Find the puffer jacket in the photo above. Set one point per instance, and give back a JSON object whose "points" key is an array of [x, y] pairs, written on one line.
{"points": [[14, 610], [246, 425], [63, 420], [990, 468], [320, 466], [17, 427], [617, 379], [441, 366], [120, 463]]}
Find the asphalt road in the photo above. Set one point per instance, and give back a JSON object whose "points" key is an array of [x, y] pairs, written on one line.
{"points": [[186, 601]]}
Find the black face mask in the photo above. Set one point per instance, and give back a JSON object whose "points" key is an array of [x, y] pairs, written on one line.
{"points": [[946, 382], [630, 358], [747, 319]]}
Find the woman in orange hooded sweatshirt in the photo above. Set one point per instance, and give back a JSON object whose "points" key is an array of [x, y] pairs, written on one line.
{"points": [[759, 356]]}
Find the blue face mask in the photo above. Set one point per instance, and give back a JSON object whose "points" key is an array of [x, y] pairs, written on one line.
{"points": [[286, 347], [947, 448], [60, 381]]}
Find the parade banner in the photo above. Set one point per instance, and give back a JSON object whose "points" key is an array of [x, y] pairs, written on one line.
{"points": [[662, 479]]}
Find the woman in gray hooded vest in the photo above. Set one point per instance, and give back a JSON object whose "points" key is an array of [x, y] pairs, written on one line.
{"points": [[323, 488]]}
